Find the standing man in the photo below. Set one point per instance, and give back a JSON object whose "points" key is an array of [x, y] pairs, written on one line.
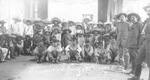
{"points": [[134, 37], [122, 28], [2, 27], [28, 28], [15, 26], [144, 52]]}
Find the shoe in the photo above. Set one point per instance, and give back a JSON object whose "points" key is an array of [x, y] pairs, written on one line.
{"points": [[134, 78]]}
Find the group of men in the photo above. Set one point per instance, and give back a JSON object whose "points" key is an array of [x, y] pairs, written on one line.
{"points": [[125, 41]]}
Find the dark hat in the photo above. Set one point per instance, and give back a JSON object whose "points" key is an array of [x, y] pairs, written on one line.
{"points": [[134, 14], [66, 29], [147, 6], [56, 28], [56, 19], [118, 16]]}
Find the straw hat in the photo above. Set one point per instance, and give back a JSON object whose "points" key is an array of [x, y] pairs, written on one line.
{"points": [[56, 19], [134, 14]]}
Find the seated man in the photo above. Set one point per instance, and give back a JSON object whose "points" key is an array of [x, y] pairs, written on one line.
{"points": [[54, 51], [40, 52], [87, 51], [4, 51], [73, 50]]}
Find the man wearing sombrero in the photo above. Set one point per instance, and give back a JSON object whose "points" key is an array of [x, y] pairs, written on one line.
{"points": [[144, 53], [134, 36], [2, 27], [15, 27], [28, 27], [71, 25], [56, 21], [122, 32]]}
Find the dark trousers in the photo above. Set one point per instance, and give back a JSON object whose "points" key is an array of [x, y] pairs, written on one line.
{"points": [[144, 54], [133, 55]]}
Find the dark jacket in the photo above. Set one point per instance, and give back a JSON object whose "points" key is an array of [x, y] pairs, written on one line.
{"points": [[134, 35]]}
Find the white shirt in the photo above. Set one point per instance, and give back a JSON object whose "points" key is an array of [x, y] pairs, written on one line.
{"points": [[28, 30], [73, 30], [79, 49], [15, 28]]}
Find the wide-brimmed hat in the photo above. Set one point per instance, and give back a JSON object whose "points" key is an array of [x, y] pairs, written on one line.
{"points": [[45, 21], [56, 19], [28, 19], [86, 19], [134, 14], [70, 22], [107, 37], [108, 23], [36, 20], [96, 30], [56, 28], [2, 21], [146, 7], [118, 16], [79, 26], [16, 18], [67, 29]]}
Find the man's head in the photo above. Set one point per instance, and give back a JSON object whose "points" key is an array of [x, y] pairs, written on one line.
{"points": [[122, 17], [133, 17], [28, 22], [55, 43], [147, 9]]}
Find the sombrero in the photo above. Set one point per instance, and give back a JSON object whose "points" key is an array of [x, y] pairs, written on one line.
{"points": [[46, 21], [67, 29], [118, 16], [70, 22], [36, 20], [108, 23], [86, 19], [28, 19], [106, 36], [2, 21], [96, 30], [134, 14], [56, 19], [147, 6], [56, 28], [17, 18], [79, 26]]}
